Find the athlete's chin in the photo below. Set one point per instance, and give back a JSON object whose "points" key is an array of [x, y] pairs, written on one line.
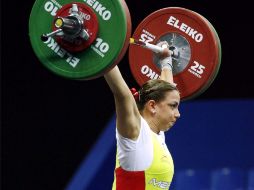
{"points": [[169, 126]]}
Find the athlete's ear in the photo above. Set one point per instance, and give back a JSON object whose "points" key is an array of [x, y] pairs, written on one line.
{"points": [[151, 106]]}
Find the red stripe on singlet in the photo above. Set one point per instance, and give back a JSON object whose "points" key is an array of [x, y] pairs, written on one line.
{"points": [[126, 180]]}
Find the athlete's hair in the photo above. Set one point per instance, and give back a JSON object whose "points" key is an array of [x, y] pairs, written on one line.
{"points": [[153, 90]]}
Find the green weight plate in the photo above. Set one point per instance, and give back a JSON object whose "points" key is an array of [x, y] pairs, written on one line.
{"points": [[127, 38], [128, 34], [93, 61]]}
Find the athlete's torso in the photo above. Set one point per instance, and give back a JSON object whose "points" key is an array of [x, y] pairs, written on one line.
{"points": [[144, 164]]}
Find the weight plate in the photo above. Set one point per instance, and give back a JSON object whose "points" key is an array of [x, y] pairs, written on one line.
{"points": [[100, 56], [193, 40], [127, 39], [213, 76], [210, 81], [128, 33]]}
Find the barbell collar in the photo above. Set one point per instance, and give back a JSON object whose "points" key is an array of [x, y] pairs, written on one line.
{"points": [[44, 37]]}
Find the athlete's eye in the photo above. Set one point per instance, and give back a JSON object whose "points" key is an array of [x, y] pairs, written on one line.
{"points": [[173, 106]]}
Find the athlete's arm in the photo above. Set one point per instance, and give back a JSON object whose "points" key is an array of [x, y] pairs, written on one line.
{"points": [[166, 63], [128, 116]]}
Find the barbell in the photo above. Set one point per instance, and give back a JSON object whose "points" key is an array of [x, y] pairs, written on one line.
{"points": [[86, 38]]}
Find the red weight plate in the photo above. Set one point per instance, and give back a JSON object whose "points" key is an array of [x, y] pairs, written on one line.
{"points": [[210, 81], [190, 36], [90, 24], [215, 73]]}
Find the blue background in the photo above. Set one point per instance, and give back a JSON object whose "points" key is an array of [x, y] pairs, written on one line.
{"points": [[210, 135]]}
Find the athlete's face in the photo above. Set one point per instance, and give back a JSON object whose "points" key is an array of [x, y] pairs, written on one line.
{"points": [[167, 110]]}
